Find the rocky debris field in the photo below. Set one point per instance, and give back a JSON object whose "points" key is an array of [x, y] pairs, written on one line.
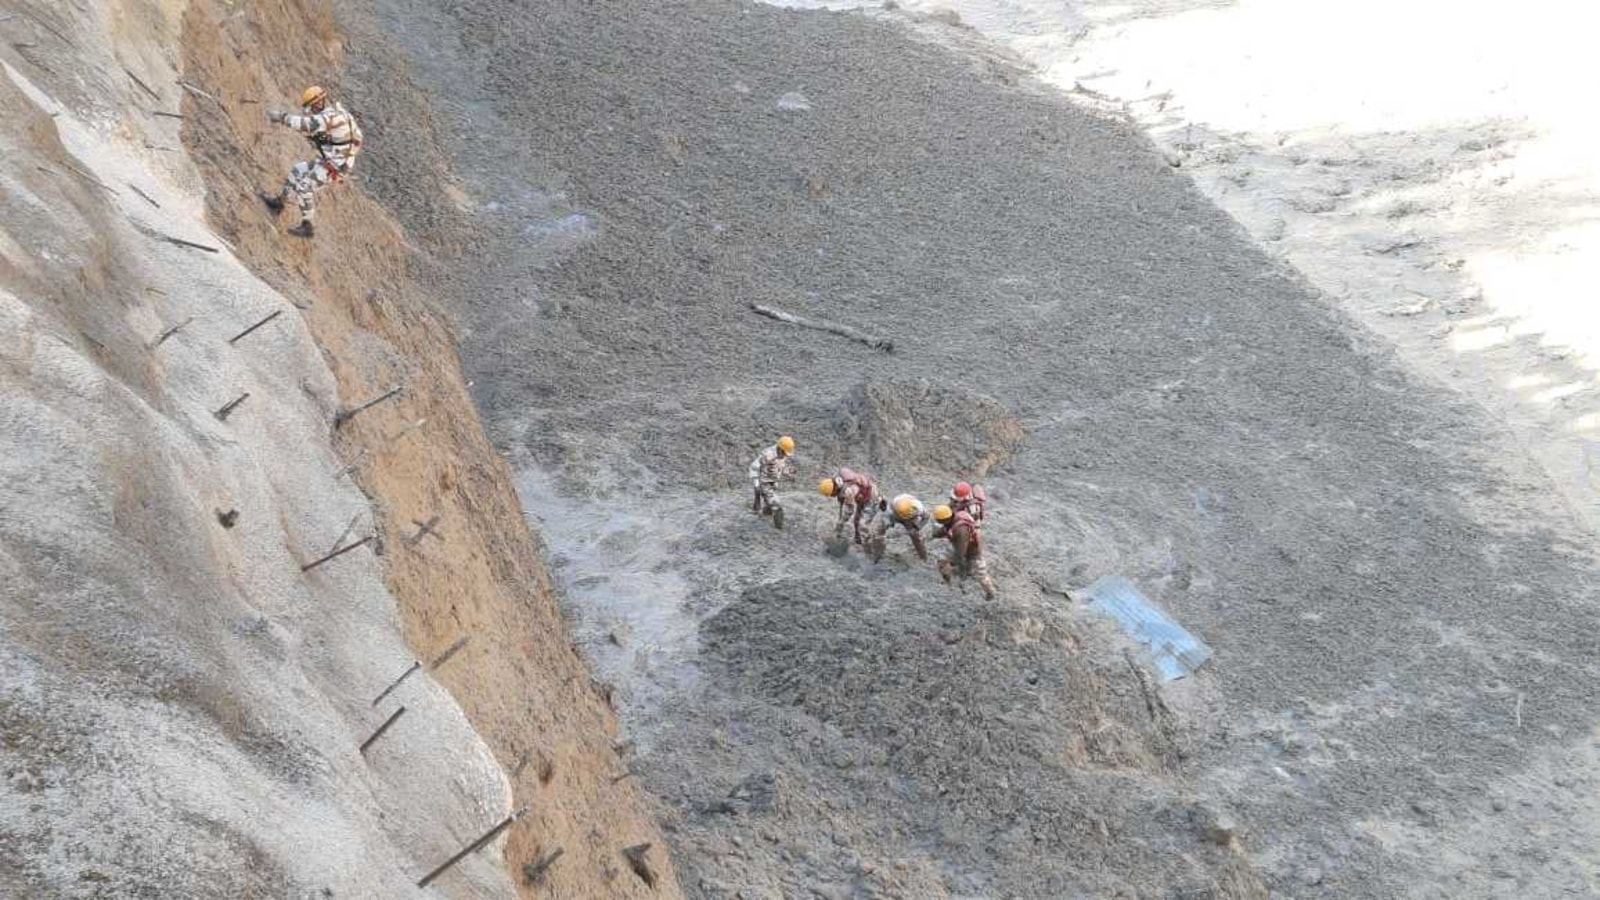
{"points": [[1399, 605]]}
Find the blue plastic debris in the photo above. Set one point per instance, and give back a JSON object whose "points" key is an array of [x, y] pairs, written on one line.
{"points": [[1175, 651]]}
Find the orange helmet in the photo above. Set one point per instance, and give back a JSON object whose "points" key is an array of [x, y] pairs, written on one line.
{"points": [[314, 98], [942, 513], [827, 486]]}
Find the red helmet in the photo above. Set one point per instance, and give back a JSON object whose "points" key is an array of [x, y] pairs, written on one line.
{"points": [[961, 491]]}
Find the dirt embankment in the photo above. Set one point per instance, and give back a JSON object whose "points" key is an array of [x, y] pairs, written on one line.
{"points": [[422, 457]]}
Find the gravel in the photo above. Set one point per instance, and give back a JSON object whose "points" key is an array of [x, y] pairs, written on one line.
{"points": [[1378, 570]]}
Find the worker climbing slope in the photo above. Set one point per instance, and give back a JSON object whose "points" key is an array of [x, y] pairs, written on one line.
{"points": [[904, 511], [856, 495], [771, 466], [966, 549], [337, 139]]}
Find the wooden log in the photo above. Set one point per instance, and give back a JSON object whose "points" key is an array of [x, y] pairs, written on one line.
{"points": [[887, 346]]}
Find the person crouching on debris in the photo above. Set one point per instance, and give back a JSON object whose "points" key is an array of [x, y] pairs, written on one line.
{"points": [[856, 495], [337, 138], [968, 499], [905, 511], [769, 467], [966, 549]]}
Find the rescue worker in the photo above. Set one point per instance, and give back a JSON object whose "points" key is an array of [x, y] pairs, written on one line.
{"points": [[966, 549], [857, 498], [905, 511], [337, 139], [966, 498], [768, 468]]}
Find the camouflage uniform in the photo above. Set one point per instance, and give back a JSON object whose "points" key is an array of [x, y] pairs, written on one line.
{"points": [[974, 505], [337, 137], [766, 470], [855, 493], [886, 519], [966, 553]]}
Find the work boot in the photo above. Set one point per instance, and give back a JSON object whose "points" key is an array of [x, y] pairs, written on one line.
{"points": [[304, 230], [988, 589], [777, 518], [274, 204]]}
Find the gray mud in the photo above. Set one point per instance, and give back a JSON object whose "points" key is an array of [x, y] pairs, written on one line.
{"points": [[1400, 606]]}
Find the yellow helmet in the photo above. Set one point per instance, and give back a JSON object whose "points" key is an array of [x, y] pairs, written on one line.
{"points": [[905, 506], [942, 513], [786, 445], [313, 97], [826, 487]]}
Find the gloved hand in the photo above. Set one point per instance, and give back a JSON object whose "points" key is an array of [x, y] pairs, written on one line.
{"points": [[275, 116]]}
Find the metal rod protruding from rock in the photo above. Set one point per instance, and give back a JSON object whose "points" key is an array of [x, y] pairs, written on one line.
{"points": [[354, 463], [424, 529], [339, 552], [381, 729], [534, 872], [275, 313], [450, 651], [180, 242], [346, 532], [162, 337], [473, 847], [142, 86], [146, 197], [415, 665], [349, 414], [223, 413]]}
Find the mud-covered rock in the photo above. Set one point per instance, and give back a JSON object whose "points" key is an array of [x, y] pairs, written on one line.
{"points": [[922, 425]]}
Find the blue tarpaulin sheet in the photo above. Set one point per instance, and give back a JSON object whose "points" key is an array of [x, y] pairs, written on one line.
{"points": [[1175, 651]]}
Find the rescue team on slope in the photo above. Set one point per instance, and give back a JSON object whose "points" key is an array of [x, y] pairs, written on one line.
{"points": [[336, 137], [872, 517]]}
